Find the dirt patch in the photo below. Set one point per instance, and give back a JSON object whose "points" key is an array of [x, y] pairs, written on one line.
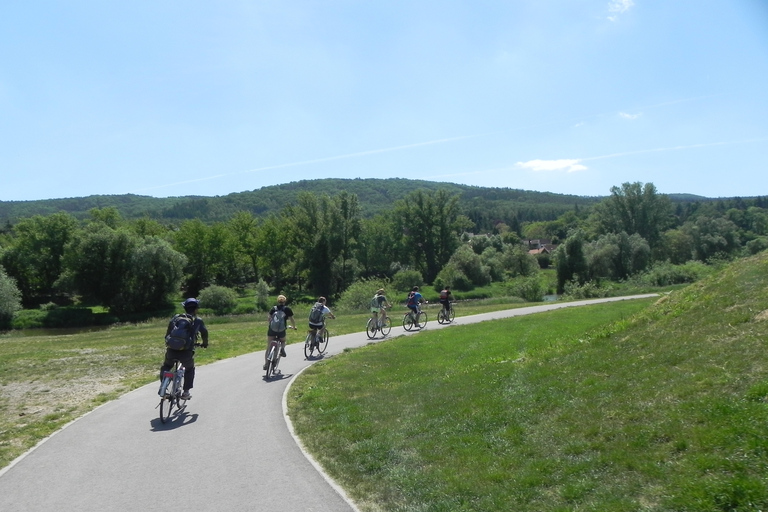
{"points": [[30, 401], [761, 316]]}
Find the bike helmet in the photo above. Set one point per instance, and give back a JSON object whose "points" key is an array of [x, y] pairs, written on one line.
{"points": [[191, 303]]}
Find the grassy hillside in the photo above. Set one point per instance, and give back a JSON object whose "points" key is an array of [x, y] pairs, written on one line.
{"points": [[609, 409]]}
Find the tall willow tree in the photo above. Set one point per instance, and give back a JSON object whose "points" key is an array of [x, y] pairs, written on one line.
{"points": [[431, 223], [635, 208]]}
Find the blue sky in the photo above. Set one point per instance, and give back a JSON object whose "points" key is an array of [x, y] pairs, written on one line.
{"points": [[172, 98]]}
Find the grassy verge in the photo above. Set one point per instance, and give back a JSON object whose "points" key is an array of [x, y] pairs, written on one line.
{"points": [[583, 409], [47, 381]]}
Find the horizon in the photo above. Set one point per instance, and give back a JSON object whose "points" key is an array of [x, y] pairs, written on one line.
{"points": [[558, 97], [353, 179]]}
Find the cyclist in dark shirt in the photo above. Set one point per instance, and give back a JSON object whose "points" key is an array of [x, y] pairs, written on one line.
{"points": [[279, 335], [186, 357]]}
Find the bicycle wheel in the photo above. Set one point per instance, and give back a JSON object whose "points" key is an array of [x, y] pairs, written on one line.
{"points": [[441, 319], [451, 315], [421, 320], [323, 342], [371, 328], [180, 402], [386, 326], [308, 346], [407, 322], [166, 407], [270, 363]]}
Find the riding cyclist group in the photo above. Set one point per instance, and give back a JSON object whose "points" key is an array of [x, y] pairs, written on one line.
{"points": [[184, 329]]}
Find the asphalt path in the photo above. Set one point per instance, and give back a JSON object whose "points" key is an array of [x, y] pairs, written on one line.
{"points": [[233, 447]]}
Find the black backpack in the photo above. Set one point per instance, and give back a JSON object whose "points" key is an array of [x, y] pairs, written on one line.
{"points": [[182, 335], [316, 314]]}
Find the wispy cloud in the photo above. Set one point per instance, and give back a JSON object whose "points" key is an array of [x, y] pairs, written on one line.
{"points": [[308, 162], [616, 7], [567, 165], [629, 116]]}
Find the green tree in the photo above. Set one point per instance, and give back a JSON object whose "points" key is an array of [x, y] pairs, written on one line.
{"points": [[678, 246], [245, 230], [155, 275], [191, 241], [10, 299], [34, 258], [378, 246], [570, 261], [713, 237], [616, 256], [98, 262], [635, 208], [276, 250], [431, 224]]}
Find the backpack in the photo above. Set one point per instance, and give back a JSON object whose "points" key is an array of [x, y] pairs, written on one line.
{"points": [[443, 295], [316, 314], [277, 322], [375, 302], [182, 335], [411, 299]]}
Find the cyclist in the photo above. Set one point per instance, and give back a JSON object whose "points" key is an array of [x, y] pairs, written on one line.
{"points": [[445, 300], [379, 303], [414, 299], [317, 318], [279, 315], [186, 356]]}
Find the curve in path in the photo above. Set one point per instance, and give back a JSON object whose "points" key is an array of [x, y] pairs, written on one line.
{"points": [[230, 449]]}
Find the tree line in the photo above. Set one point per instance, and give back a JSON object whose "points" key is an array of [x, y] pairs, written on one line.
{"points": [[321, 243]]}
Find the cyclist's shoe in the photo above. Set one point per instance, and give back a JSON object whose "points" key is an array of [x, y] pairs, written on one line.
{"points": [[282, 353], [185, 395]]}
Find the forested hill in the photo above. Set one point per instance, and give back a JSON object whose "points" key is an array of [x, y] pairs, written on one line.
{"points": [[374, 195]]}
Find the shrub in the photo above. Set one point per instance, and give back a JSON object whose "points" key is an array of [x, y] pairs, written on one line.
{"points": [[262, 295], [666, 274], [358, 295], [588, 290], [404, 280], [528, 288], [452, 276], [757, 245], [220, 299]]}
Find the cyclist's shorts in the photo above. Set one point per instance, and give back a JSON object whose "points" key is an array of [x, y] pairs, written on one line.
{"points": [[316, 326]]}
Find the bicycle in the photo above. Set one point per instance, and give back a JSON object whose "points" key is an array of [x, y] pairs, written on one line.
{"points": [[410, 322], [311, 343], [446, 316], [375, 325], [273, 358], [170, 398]]}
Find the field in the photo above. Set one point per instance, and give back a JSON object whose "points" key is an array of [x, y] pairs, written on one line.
{"points": [[616, 407]]}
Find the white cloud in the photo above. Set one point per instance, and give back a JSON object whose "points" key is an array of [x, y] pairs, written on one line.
{"points": [[618, 7], [629, 116], [567, 165]]}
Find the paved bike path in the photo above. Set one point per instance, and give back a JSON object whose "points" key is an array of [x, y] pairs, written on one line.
{"points": [[230, 449]]}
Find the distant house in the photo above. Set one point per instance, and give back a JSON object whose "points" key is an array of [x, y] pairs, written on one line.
{"points": [[540, 246]]}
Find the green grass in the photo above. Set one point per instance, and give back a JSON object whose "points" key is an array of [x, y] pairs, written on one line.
{"points": [[616, 407]]}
